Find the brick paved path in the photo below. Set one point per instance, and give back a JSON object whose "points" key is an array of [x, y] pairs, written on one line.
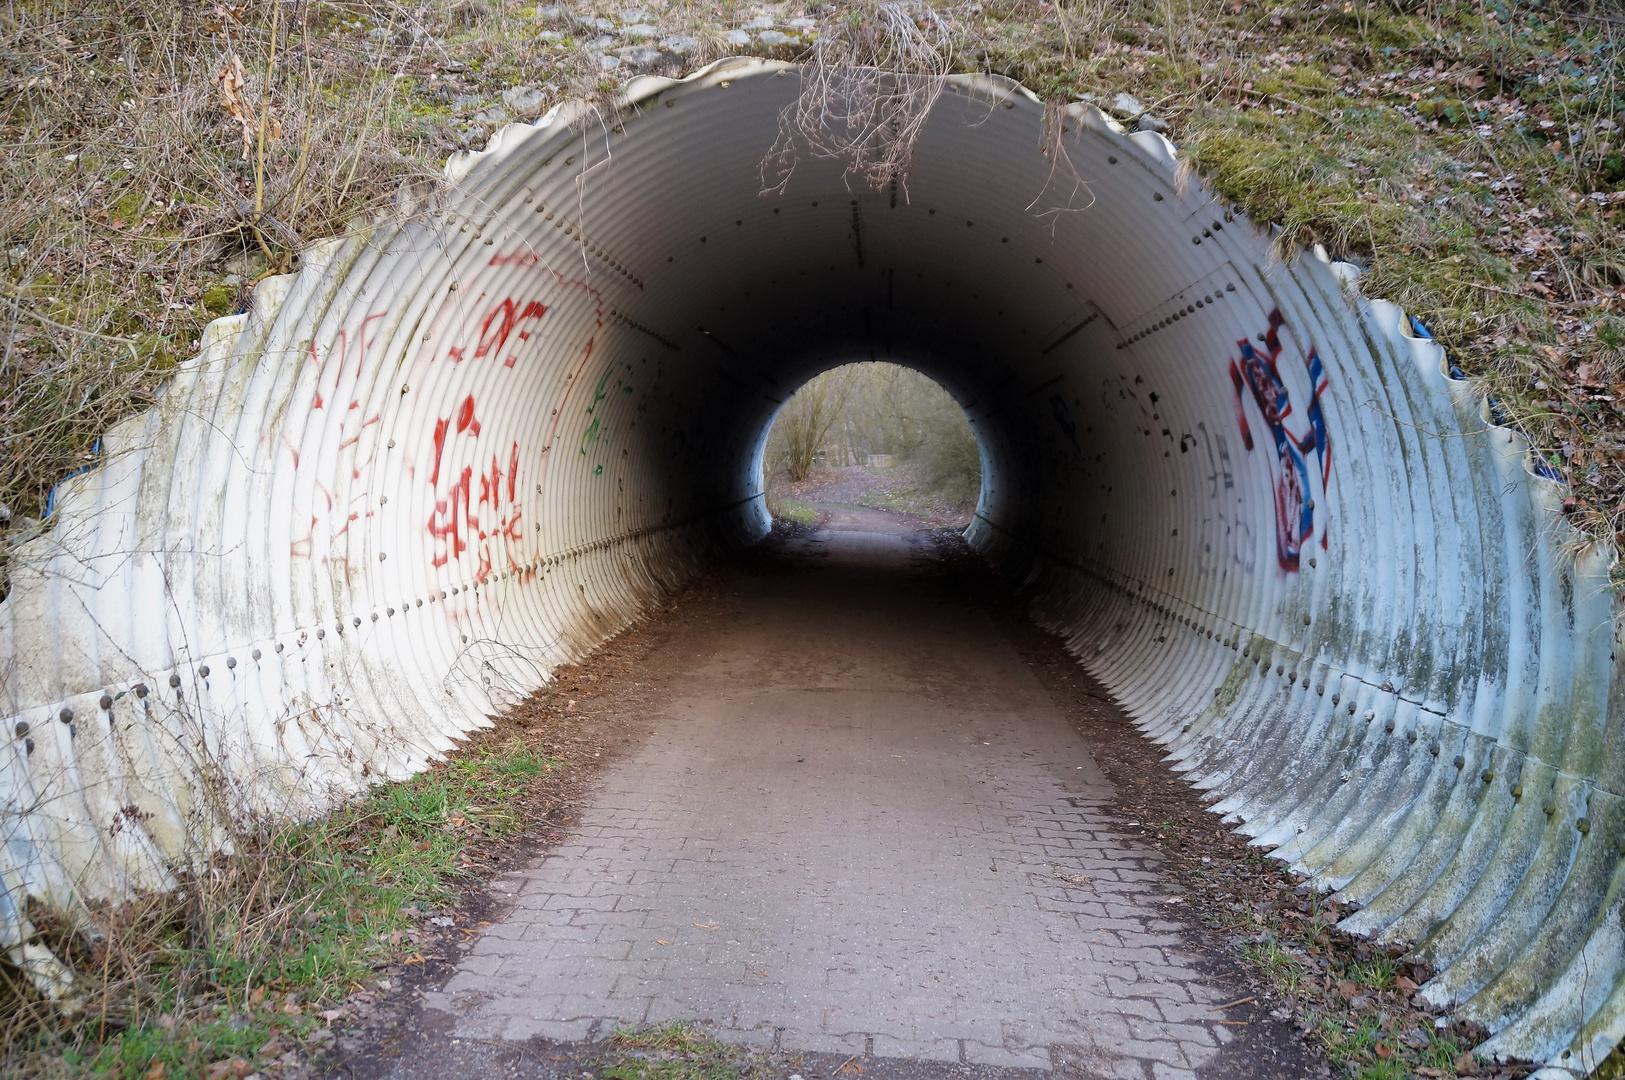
{"points": [[862, 827]]}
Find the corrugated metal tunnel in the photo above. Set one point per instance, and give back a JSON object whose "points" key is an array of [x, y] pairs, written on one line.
{"points": [[460, 449]]}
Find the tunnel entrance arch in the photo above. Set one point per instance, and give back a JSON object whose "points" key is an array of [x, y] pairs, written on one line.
{"points": [[456, 451]]}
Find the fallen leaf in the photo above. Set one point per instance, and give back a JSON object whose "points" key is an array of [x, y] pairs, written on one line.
{"points": [[1466, 1065], [232, 1067], [708, 926], [157, 1072], [1347, 989], [1404, 984], [1383, 1051], [659, 942], [256, 995]]}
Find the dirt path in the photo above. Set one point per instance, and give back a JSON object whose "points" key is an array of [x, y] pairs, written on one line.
{"points": [[857, 824]]}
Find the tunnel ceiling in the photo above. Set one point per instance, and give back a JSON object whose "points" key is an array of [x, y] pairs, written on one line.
{"points": [[459, 449]]}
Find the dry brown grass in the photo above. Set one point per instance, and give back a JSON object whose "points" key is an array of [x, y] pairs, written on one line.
{"points": [[161, 157]]}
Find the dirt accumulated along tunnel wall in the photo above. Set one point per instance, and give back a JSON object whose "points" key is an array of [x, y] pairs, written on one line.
{"points": [[457, 450]]}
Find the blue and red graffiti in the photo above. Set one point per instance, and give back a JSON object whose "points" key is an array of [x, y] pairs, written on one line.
{"points": [[1258, 372]]}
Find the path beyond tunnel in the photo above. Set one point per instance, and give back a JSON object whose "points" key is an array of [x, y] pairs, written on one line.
{"points": [[858, 825], [460, 449]]}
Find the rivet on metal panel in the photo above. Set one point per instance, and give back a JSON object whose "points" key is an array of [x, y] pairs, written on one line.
{"points": [[1187, 727], [231, 663], [1292, 677], [1320, 690], [383, 500], [1433, 748], [465, 639], [1157, 195], [279, 646], [174, 680], [405, 388], [1280, 669], [1313, 564], [382, 555], [374, 617], [1459, 762], [1336, 698], [1111, 160], [1517, 791], [21, 729], [1549, 809], [255, 655], [1487, 775], [1410, 736], [1389, 726], [1217, 690], [106, 701], [28, 746], [1351, 708], [140, 689], [1306, 620], [320, 634], [203, 671], [66, 715], [390, 612]]}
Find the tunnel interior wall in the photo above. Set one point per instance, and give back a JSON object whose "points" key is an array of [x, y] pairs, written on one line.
{"points": [[460, 449]]}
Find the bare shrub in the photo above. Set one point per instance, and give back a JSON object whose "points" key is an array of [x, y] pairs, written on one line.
{"points": [[867, 86]]}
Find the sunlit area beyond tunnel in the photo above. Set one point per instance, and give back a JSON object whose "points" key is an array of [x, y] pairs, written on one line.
{"points": [[459, 450]]}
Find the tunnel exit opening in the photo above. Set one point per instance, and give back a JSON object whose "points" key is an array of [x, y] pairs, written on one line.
{"points": [[881, 433]]}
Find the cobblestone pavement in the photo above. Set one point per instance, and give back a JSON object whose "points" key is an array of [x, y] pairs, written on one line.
{"points": [[859, 826]]}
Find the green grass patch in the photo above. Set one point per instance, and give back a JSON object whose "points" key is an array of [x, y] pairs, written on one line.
{"points": [[800, 513], [241, 959], [676, 1051]]}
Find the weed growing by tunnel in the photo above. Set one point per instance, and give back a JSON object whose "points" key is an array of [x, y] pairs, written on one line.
{"points": [[246, 958]]}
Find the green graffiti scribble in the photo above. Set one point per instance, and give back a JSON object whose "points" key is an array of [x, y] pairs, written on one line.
{"points": [[592, 434]]}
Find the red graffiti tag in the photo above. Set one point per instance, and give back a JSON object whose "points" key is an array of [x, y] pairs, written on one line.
{"points": [[471, 526], [500, 324], [458, 520]]}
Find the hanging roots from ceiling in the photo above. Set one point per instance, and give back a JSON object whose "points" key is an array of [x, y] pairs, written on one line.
{"points": [[867, 86]]}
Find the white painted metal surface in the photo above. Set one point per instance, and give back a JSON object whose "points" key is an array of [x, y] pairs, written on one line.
{"points": [[456, 451]]}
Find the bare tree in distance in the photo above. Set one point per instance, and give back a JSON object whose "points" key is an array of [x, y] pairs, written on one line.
{"points": [[878, 408], [806, 418]]}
